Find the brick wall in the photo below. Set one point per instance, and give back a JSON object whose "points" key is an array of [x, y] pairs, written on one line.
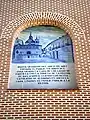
{"points": [[46, 104]]}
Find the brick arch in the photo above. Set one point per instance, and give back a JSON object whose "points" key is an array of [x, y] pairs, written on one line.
{"points": [[13, 29], [42, 18]]}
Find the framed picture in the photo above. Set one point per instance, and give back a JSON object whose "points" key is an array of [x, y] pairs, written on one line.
{"points": [[42, 58]]}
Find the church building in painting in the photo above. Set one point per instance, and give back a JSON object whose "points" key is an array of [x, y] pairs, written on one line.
{"points": [[25, 51]]}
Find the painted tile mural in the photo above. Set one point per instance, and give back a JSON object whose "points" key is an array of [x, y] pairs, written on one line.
{"points": [[43, 44], [42, 58]]}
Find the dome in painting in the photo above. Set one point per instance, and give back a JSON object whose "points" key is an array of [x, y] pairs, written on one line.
{"points": [[37, 40], [19, 41], [30, 40]]}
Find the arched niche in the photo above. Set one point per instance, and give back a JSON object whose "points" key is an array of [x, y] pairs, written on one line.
{"points": [[13, 29]]}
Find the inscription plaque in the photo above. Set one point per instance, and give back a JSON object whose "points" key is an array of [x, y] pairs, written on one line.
{"points": [[42, 58]]}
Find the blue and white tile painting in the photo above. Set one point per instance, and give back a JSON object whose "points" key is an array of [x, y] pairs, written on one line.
{"points": [[43, 44]]}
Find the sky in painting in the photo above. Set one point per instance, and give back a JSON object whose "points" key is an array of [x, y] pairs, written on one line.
{"points": [[46, 34]]}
